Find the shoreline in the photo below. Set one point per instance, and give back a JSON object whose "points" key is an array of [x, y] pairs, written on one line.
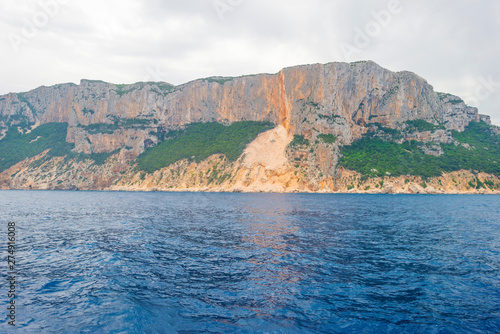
{"points": [[215, 191]]}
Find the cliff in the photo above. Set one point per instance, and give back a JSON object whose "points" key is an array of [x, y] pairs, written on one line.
{"points": [[340, 100]]}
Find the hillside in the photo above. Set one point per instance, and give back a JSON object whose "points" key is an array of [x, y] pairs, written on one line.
{"points": [[335, 127]]}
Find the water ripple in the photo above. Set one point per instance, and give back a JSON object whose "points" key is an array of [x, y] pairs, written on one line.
{"points": [[92, 262]]}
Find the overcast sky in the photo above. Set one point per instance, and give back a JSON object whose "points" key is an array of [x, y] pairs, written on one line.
{"points": [[454, 45]]}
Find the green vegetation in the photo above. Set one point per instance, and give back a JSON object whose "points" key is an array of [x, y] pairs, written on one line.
{"points": [[100, 128], [162, 135], [19, 120], [479, 184], [456, 101], [299, 140], [479, 135], [328, 117], [443, 96], [95, 81], [99, 158], [23, 99], [88, 111], [394, 133], [119, 123], [160, 87], [420, 125], [121, 89], [313, 104], [163, 87], [219, 80], [201, 140], [329, 139], [490, 184], [394, 89], [355, 63], [376, 157], [16, 147]]}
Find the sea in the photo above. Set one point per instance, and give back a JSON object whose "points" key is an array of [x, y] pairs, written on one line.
{"points": [[132, 262]]}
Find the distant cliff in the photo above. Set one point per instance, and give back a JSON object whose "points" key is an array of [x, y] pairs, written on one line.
{"points": [[318, 111]]}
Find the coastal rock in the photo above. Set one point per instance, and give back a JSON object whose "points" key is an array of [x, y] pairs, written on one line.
{"points": [[336, 98], [338, 101], [415, 189]]}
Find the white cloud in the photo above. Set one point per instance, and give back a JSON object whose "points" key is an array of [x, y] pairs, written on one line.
{"points": [[451, 44]]}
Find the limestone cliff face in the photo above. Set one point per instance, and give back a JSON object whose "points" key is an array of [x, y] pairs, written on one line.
{"points": [[335, 98], [339, 99]]}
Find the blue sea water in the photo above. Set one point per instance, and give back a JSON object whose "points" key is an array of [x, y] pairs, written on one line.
{"points": [[108, 262]]}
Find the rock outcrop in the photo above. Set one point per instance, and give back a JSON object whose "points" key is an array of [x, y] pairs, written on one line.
{"points": [[336, 98], [339, 99]]}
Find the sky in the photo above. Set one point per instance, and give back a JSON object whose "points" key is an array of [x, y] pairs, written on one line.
{"points": [[454, 45]]}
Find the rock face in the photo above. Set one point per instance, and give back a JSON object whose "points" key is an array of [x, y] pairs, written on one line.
{"points": [[337, 99]]}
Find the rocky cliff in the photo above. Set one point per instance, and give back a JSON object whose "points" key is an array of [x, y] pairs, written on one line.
{"points": [[337, 99]]}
